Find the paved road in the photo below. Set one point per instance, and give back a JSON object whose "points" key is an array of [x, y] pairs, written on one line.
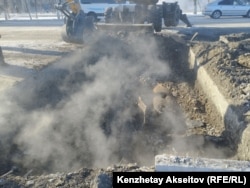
{"points": [[31, 23], [212, 28], [223, 22], [205, 26], [197, 20]]}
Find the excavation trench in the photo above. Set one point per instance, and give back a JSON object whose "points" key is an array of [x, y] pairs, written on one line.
{"points": [[123, 98]]}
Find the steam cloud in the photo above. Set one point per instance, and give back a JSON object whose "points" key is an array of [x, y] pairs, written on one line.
{"points": [[81, 111]]}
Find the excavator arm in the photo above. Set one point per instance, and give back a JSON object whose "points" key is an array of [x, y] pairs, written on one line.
{"points": [[69, 7], [77, 24]]}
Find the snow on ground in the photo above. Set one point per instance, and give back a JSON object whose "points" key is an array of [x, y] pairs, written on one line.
{"points": [[26, 16]]}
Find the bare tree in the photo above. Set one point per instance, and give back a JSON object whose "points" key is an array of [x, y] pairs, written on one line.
{"points": [[6, 9], [27, 8], [36, 8]]}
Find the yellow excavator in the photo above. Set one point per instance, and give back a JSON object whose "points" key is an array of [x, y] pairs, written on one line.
{"points": [[145, 15], [76, 23]]}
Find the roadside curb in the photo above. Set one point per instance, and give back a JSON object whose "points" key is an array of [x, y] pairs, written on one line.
{"points": [[238, 132]]}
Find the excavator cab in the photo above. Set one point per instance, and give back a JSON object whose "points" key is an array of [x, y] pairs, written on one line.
{"points": [[77, 25]]}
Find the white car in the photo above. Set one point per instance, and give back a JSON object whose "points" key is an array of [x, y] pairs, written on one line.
{"points": [[96, 8], [219, 8]]}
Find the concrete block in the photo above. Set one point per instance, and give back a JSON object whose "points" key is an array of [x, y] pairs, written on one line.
{"points": [[170, 163]]}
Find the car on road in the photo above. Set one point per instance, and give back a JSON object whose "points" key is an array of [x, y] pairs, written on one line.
{"points": [[218, 8], [96, 8]]}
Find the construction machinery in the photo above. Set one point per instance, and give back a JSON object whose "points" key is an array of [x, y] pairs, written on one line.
{"points": [[146, 15], [77, 25], [145, 11]]}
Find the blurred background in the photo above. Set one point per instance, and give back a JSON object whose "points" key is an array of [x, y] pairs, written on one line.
{"points": [[33, 8]]}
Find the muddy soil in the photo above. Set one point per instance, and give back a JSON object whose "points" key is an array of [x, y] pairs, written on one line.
{"points": [[112, 105]]}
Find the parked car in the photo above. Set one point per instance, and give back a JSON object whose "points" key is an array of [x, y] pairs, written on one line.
{"points": [[218, 8], [96, 8]]}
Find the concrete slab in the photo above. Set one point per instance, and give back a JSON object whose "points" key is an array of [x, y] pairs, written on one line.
{"points": [[167, 163]]}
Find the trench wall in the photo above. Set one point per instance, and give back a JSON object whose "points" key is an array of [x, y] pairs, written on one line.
{"points": [[238, 132]]}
